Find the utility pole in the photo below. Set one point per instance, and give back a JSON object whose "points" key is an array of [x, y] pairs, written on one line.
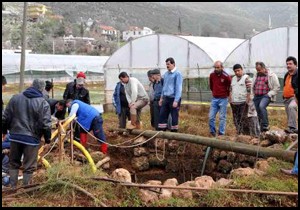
{"points": [[22, 66]]}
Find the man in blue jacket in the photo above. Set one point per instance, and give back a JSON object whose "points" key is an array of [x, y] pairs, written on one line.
{"points": [[121, 105], [89, 119]]}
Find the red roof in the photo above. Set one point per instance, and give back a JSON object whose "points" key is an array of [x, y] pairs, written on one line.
{"points": [[107, 28], [134, 28]]}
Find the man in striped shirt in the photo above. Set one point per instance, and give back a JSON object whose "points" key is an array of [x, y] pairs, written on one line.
{"points": [[265, 88]]}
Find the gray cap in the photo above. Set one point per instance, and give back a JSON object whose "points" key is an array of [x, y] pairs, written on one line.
{"points": [[155, 71], [80, 81], [39, 84]]}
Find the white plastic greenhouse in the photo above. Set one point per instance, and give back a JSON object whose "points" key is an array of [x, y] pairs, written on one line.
{"points": [[271, 47], [194, 57], [59, 67]]}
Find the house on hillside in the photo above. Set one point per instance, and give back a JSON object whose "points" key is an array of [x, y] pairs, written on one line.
{"points": [[135, 32], [108, 32], [37, 12]]}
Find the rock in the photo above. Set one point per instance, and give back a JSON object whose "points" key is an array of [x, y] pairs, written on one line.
{"points": [[97, 156], [139, 151], [222, 182], [223, 154], [167, 193], [272, 160], [147, 195], [154, 161], [185, 193], [173, 145], [121, 174], [255, 141], [244, 139], [140, 163], [204, 181], [277, 146], [224, 166], [242, 172], [106, 165], [215, 155], [262, 165], [265, 143], [276, 136], [231, 157], [139, 140]]}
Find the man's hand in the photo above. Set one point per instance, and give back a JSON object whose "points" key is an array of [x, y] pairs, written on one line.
{"points": [[248, 99], [131, 105], [160, 102], [175, 104]]}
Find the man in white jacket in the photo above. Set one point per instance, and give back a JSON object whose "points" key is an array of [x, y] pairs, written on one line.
{"points": [[137, 98]]}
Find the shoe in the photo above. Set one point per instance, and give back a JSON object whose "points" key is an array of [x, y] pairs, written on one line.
{"points": [[288, 172], [213, 134], [264, 129], [291, 130]]}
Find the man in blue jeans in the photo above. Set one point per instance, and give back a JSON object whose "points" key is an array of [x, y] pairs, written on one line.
{"points": [[219, 83], [265, 88]]}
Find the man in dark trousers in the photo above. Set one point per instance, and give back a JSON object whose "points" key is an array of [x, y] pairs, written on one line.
{"points": [[121, 105], [90, 119], [27, 117]]}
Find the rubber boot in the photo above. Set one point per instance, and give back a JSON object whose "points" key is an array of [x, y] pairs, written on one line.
{"points": [[139, 125], [132, 125], [83, 139], [13, 173], [26, 179], [103, 148]]}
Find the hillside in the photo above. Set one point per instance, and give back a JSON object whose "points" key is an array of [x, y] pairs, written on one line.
{"points": [[197, 18]]}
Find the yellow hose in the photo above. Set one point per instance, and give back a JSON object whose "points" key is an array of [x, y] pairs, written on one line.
{"points": [[45, 162], [86, 154]]}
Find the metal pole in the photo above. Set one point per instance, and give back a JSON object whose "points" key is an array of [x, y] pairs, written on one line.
{"points": [[22, 66]]}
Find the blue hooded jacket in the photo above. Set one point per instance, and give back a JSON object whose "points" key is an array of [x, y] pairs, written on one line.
{"points": [[116, 98]]}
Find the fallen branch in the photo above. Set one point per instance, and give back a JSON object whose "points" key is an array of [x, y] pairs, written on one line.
{"points": [[103, 161], [83, 191]]}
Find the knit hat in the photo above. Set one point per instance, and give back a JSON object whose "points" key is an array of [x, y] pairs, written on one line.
{"points": [[81, 74], [38, 84]]}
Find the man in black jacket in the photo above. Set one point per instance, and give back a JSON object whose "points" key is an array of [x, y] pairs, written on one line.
{"points": [[27, 117], [76, 90]]}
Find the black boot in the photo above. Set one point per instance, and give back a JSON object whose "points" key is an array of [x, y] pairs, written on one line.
{"points": [[13, 173], [26, 178]]}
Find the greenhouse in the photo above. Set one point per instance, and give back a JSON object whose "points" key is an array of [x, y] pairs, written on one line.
{"points": [[271, 47], [194, 57], [60, 68]]}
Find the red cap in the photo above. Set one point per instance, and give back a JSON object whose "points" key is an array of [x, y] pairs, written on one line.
{"points": [[81, 74]]}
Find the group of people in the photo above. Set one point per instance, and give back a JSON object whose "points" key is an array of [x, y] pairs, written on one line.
{"points": [[164, 97], [27, 116]]}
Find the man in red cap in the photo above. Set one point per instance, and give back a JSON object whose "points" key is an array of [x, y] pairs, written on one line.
{"points": [[76, 91]]}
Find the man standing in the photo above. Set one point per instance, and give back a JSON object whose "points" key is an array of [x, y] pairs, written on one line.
{"points": [[219, 83], [291, 61], [121, 104], [76, 90], [290, 82], [265, 88], [90, 119], [151, 96], [27, 117], [239, 98], [170, 98], [137, 98]]}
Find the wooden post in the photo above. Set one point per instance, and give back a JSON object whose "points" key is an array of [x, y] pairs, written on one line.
{"points": [[71, 142]]}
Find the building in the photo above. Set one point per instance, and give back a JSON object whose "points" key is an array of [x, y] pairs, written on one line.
{"points": [[135, 32], [109, 32], [38, 11]]}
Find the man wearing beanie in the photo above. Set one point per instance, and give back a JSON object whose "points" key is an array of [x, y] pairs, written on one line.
{"points": [[27, 117], [76, 90]]}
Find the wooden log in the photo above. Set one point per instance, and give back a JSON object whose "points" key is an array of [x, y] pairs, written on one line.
{"points": [[101, 162], [227, 145]]}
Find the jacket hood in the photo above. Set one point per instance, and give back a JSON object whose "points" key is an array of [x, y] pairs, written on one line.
{"points": [[31, 92]]}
